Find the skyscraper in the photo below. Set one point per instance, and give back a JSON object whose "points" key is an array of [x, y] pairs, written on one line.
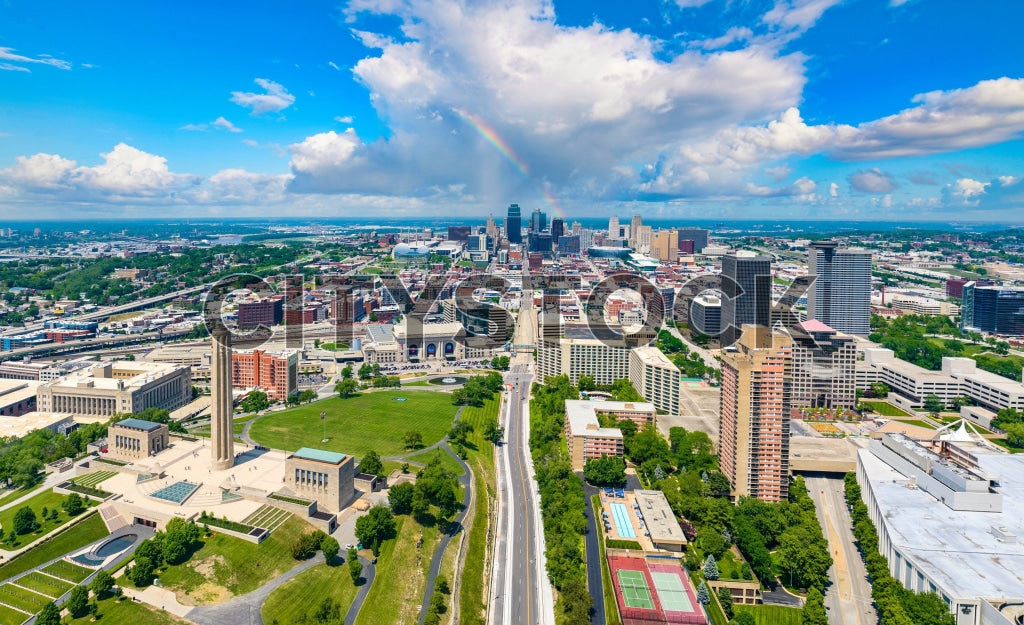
{"points": [[538, 220], [754, 438], [613, 227], [514, 224], [492, 228], [634, 227], [841, 294], [222, 436], [557, 230], [993, 309], [665, 245], [746, 291], [699, 236]]}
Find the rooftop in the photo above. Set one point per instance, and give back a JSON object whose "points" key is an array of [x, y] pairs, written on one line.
{"points": [[138, 424], [319, 455], [813, 325], [651, 355], [583, 418], [958, 549], [658, 517]]}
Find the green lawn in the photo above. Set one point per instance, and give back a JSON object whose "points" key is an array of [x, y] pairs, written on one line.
{"points": [[397, 589], [94, 478], [83, 533], [22, 599], [772, 614], [127, 612], [446, 460], [17, 494], [44, 584], [884, 408], [729, 564], [473, 595], [1002, 443], [918, 423], [68, 570], [47, 499], [358, 424], [303, 593], [226, 566], [9, 616]]}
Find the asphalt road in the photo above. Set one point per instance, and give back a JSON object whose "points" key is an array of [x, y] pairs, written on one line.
{"points": [[520, 588], [848, 598], [593, 550]]}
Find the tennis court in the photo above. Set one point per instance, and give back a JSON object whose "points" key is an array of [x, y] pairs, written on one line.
{"points": [[623, 526], [676, 594], [635, 593]]}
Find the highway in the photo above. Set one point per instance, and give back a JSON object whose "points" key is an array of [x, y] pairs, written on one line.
{"points": [[521, 593], [848, 599]]}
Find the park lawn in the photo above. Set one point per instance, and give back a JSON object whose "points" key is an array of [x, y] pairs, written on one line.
{"points": [[730, 565], [884, 408], [304, 592], [919, 423], [1002, 443], [772, 614], [18, 494], [358, 424], [47, 499], [127, 612], [44, 585], [22, 599], [10, 616], [473, 593], [226, 566], [397, 590], [68, 571], [425, 457], [81, 534]]}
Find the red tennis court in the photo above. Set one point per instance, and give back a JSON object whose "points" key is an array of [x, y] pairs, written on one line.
{"points": [[634, 590], [676, 594]]}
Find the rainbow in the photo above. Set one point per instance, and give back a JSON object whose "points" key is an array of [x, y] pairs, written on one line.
{"points": [[490, 135]]}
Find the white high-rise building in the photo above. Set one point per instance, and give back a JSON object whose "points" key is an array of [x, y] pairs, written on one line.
{"points": [[613, 227]]}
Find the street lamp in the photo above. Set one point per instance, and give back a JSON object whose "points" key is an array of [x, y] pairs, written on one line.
{"points": [[323, 419]]}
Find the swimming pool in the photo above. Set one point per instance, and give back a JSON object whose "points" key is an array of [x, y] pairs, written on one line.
{"points": [[623, 526]]}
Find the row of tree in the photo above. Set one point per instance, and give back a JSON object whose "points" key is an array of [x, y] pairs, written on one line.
{"points": [[478, 389], [435, 486], [176, 544], [896, 605], [562, 499]]}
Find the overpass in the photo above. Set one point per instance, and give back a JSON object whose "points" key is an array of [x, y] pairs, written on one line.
{"points": [[99, 342]]}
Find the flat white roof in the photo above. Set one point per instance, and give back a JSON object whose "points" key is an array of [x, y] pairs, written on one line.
{"points": [[956, 548], [21, 426], [659, 519], [583, 420]]}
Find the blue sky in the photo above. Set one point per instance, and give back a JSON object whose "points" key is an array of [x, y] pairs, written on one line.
{"points": [[813, 109]]}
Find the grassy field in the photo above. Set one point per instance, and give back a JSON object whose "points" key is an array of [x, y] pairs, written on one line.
{"points": [[402, 569], [446, 460], [22, 599], [83, 533], [303, 593], [9, 616], [47, 499], [356, 425], [772, 614], [21, 492], [44, 584], [884, 408], [918, 423], [226, 566], [1002, 443], [68, 570], [94, 478], [473, 592], [127, 612]]}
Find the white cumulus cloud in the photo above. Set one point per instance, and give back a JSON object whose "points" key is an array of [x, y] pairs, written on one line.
{"points": [[873, 181], [17, 62], [274, 99]]}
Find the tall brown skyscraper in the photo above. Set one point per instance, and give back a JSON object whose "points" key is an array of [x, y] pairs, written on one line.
{"points": [[754, 438], [222, 437]]}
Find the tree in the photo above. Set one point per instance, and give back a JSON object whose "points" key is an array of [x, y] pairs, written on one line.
{"points": [[501, 362], [346, 387], [605, 471], [365, 371], [725, 599], [141, 573], [102, 583], [586, 383], [442, 585], [710, 568], [255, 401], [412, 440], [1014, 434], [933, 404], [355, 567], [459, 432], [346, 372], [307, 395], [880, 389], [73, 504], [400, 497], [371, 464], [814, 609], [743, 618], [493, 432], [375, 527], [702, 594], [329, 545], [49, 615], [78, 602], [25, 521]]}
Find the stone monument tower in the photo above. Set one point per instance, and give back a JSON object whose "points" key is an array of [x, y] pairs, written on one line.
{"points": [[222, 437]]}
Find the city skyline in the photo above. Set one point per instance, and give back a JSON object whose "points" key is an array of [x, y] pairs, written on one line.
{"points": [[671, 110]]}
